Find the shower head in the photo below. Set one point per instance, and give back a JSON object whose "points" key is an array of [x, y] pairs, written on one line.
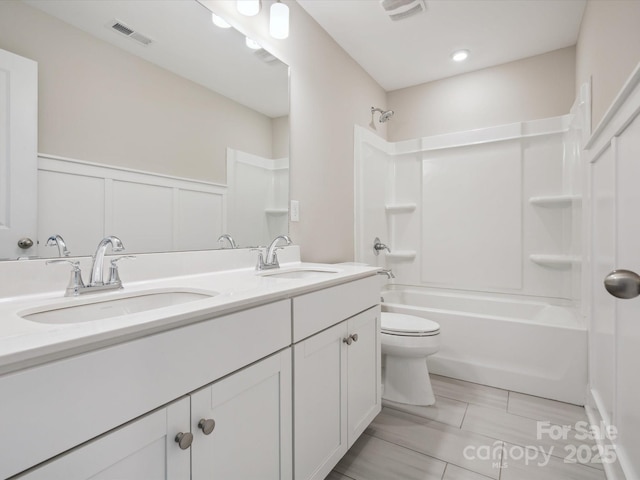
{"points": [[384, 115]]}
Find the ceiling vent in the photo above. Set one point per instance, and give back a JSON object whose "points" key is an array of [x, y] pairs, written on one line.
{"points": [[127, 31], [401, 9]]}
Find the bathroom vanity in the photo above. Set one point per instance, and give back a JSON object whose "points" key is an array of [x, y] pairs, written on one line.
{"points": [[199, 389]]}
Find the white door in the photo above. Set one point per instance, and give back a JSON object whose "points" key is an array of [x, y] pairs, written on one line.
{"points": [[320, 403], [143, 449], [363, 377], [18, 155], [615, 323], [242, 424]]}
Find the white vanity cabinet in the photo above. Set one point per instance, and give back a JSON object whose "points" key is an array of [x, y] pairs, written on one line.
{"points": [[58, 406], [114, 409], [248, 411], [336, 373], [142, 449], [251, 437]]}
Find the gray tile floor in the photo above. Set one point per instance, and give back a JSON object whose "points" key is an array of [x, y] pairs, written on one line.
{"points": [[473, 432]]}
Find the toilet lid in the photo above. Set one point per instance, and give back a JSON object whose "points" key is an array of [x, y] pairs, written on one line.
{"points": [[401, 324]]}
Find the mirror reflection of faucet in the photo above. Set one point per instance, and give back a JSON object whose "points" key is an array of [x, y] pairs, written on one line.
{"points": [[57, 240], [378, 246], [228, 238]]}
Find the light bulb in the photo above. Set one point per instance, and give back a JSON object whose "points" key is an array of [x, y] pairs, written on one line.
{"points": [[248, 7], [460, 55], [219, 21], [252, 44], [279, 21]]}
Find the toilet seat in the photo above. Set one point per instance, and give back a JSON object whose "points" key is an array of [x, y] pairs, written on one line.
{"points": [[408, 325]]}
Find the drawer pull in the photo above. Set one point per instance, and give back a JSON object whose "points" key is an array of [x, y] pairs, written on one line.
{"points": [[184, 440], [350, 339], [207, 425]]}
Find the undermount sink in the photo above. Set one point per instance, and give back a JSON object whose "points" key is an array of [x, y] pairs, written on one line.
{"points": [[115, 307], [303, 272]]}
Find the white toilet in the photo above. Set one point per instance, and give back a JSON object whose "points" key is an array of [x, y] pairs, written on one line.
{"points": [[407, 341]]}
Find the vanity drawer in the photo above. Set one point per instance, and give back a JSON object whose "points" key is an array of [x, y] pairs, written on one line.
{"points": [[51, 408], [316, 311]]}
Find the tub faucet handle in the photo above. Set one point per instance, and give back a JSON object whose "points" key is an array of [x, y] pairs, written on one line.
{"points": [[378, 246]]}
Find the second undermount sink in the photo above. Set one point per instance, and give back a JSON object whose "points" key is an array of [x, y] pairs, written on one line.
{"points": [[113, 307], [302, 272]]}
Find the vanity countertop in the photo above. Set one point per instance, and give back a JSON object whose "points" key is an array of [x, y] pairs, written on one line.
{"points": [[24, 343]]}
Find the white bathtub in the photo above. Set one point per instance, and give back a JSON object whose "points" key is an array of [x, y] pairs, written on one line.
{"points": [[520, 345]]}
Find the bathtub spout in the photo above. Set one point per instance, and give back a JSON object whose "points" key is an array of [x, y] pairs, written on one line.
{"points": [[388, 273]]}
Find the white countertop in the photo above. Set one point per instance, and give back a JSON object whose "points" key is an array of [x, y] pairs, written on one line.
{"points": [[25, 343]]}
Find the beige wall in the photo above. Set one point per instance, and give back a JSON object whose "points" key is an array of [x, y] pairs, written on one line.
{"points": [[608, 50], [98, 103], [536, 87], [329, 94]]}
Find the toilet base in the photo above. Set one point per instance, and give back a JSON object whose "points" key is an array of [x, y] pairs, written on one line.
{"points": [[406, 380]]}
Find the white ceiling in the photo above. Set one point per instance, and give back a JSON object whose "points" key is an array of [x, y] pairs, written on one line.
{"points": [[186, 43], [416, 50]]}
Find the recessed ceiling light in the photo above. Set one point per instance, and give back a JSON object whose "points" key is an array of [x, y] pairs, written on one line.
{"points": [[459, 55]]}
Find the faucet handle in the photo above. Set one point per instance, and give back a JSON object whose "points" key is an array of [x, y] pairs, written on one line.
{"points": [[260, 250], [75, 281], [114, 276], [75, 264]]}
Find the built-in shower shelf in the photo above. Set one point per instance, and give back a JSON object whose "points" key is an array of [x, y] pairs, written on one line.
{"points": [[557, 261], [399, 207], [554, 201], [402, 255], [276, 211]]}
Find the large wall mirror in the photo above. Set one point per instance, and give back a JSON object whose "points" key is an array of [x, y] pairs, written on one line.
{"points": [[154, 125]]}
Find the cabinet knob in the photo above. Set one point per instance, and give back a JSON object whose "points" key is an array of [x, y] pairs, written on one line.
{"points": [[184, 440], [348, 340], [207, 425], [355, 337]]}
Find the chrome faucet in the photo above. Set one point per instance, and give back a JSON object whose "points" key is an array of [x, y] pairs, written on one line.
{"points": [[56, 239], [77, 287], [228, 238], [97, 278], [388, 273], [271, 259]]}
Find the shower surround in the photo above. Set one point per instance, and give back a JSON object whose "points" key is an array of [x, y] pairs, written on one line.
{"points": [[493, 215]]}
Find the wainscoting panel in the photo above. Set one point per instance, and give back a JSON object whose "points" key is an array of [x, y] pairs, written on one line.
{"points": [[84, 202]]}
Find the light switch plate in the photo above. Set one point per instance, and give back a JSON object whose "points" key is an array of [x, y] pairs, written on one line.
{"points": [[295, 211]]}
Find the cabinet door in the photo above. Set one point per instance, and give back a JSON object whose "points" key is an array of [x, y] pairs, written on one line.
{"points": [[363, 377], [143, 449], [320, 399], [252, 436]]}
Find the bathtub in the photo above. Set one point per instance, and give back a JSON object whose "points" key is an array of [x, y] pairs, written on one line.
{"points": [[515, 344]]}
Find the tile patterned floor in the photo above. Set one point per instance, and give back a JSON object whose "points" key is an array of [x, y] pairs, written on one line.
{"points": [[473, 432]]}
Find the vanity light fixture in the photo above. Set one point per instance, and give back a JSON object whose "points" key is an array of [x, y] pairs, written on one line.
{"points": [[252, 44], [279, 20], [219, 21], [460, 55], [248, 8]]}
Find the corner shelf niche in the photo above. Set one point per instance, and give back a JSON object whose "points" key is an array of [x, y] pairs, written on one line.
{"points": [[393, 208], [402, 255], [554, 201], [555, 261], [276, 211]]}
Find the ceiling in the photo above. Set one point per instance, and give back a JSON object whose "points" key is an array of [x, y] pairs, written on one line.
{"points": [[186, 43], [416, 50]]}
